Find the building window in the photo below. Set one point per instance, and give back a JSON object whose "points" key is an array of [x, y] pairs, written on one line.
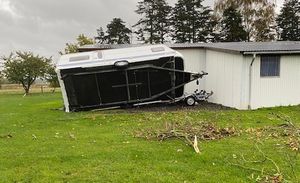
{"points": [[269, 65]]}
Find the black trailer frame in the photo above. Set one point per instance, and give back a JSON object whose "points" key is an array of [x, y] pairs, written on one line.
{"points": [[142, 68]]}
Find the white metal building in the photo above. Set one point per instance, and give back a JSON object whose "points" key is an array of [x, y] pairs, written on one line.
{"points": [[243, 75]]}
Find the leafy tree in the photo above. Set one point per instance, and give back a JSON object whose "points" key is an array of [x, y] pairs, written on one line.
{"points": [[146, 9], [84, 40], [1, 80], [140, 35], [288, 21], [258, 17], [265, 24], [73, 47], [232, 28], [154, 25], [51, 77], [163, 20], [24, 68], [192, 22], [207, 24], [100, 38], [181, 23], [117, 32], [215, 29]]}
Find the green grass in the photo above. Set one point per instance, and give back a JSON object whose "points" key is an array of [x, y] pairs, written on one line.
{"points": [[105, 149]]}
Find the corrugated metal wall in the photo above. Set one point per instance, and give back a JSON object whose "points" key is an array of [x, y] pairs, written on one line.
{"points": [[277, 91], [194, 61], [225, 78], [229, 79]]}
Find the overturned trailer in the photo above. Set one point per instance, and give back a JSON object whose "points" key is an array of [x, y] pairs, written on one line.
{"points": [[122, 77]]}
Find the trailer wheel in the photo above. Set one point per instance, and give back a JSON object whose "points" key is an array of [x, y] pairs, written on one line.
{"points": [[190, 101]]}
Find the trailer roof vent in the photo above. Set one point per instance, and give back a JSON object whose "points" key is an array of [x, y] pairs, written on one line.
{"points": [[79, 58], [158, 49]]}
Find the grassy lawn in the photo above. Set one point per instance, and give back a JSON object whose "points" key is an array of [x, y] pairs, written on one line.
{"points": [[48, 145]]}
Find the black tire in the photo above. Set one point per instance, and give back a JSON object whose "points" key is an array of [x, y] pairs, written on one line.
{"points": [[190, 101]]}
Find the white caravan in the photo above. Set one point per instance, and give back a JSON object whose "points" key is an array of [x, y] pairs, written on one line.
{"points": [[126, 77]]}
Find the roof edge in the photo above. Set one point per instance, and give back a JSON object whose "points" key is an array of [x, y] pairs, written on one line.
{"points": [[270, 52]]}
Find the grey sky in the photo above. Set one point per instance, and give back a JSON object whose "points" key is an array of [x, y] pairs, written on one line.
{"points": [[44, 26]]}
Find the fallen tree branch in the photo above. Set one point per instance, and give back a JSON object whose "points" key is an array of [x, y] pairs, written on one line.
{"points": [[244, 167], [190, 132], [195, 145], [7, 136], [268, 158]]}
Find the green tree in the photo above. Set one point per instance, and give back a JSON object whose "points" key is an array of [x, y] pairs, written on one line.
{"points": [[192, 22], [154, 25], [265, 24], [101, 37], [117, 32], [73, 47], [288, 21], [231, 25], [207, 24], [146, 9], [24, 68], [51, 77], [140, 35], [1, 77], [215, 29], [163, 20], [258, 17]]}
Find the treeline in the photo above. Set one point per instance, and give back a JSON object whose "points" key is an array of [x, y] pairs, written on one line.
{"points": [[189, 21]]}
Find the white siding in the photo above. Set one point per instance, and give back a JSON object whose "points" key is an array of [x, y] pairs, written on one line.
{"points": [[228, 78], [277, 91], [195, 59], [225, 78], [195, 62]]}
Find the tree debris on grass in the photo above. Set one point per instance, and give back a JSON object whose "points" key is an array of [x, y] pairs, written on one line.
{"points": [[189, 132], [287, 130], [72, 136], [264, 169], [272, 175], [6, 136]]}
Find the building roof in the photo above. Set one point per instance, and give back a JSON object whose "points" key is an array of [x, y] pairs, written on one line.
{"points": [[242, 47], [258, 47]]}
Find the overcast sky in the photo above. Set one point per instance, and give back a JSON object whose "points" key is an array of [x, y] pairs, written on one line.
{"points": [[44, 26]]}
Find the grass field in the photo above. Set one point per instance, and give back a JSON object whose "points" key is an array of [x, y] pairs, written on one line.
{"points": [[41, 144]]}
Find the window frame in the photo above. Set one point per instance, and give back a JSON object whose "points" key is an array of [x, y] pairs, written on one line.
{"points": [[278, 59]]}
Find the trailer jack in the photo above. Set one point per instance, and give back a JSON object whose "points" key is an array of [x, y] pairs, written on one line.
{"points": [[191, 100]]}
